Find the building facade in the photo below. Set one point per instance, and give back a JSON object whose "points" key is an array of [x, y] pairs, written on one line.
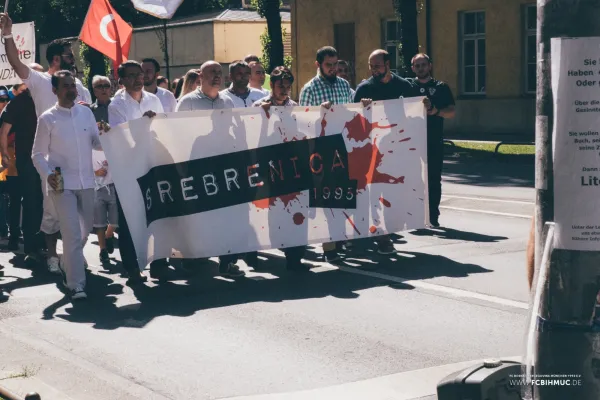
{"points": [[484, 49]]}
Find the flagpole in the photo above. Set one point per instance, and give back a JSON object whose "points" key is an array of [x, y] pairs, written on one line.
{"points": [[166, 50]]}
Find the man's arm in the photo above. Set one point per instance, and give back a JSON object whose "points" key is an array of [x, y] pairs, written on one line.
{"points": [[41, 145], [4, 131], [12, 53], [447, 108], [115, 115]]}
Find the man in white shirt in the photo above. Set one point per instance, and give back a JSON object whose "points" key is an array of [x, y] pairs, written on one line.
{"points": [[65, 137], [238, 92], [257, 77], [129, 104], [60, 57], [151, 69]]}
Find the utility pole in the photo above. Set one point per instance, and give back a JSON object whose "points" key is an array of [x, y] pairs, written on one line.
{"points": [[166, 39], [565, 342]]}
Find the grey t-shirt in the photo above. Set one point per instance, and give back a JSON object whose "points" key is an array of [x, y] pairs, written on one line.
{"points": [[197, 100]]}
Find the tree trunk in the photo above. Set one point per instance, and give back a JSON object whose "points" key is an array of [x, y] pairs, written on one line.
{"points": [[275, 34], [96, 61], [410, 38]]}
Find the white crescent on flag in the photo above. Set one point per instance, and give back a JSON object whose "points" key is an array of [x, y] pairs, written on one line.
{"points": [[158, 8]]}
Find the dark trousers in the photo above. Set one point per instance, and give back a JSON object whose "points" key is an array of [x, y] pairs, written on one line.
{"points": [[33, 208], [435, 160], [126, 247], [294, 253], [15, 199]]}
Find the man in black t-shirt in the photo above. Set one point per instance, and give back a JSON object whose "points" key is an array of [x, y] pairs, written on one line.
{"points": [[382, 85], [440, 105]]}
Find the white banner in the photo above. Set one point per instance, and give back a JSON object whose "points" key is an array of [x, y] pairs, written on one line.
{"points": [[158, 8], [24, 37], [576, 142], [208, 183]]}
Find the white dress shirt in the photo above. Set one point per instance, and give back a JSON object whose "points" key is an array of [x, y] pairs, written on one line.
{"points": [[99, 161], [239, 102], [124, 108], [167, 99], [65, 138], [40, 87]]}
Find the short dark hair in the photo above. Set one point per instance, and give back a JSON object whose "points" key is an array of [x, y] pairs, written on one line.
{"points": [[425, 56], [58, 75], [129, 63], [160, 80], [154, 62], [237, 64], [56, 48], [281, 73], [326, 51], [16, 86], [251, 57], [343, 62]]}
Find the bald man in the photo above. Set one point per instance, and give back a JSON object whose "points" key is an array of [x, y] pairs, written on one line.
{"points": [[382, 85], [206, 96]]}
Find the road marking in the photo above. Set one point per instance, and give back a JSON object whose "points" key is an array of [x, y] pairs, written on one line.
{"points": [[459, 293], [488, 199], [487, 212]]}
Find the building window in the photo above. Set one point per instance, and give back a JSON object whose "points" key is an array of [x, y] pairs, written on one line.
{"points": [[530, 48], [473, 52], [391, 43]]}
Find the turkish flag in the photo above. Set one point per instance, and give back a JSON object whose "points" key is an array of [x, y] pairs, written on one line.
{"points": [[105, 31]]}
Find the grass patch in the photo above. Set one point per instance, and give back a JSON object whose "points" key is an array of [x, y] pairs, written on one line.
{"points": [[513, 149]]}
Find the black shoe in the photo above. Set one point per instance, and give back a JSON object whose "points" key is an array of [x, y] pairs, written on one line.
{"points": [[331, 256], [104, 258], [136, 280], [13, 244], [230, 270], [110, 245], [435, 223]]}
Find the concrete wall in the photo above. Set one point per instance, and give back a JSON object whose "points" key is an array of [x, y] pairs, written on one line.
{"points": [[235, 40], [504, 109]]}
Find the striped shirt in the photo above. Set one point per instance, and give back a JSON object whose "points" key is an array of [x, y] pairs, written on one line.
{"points": [[318, 91]]}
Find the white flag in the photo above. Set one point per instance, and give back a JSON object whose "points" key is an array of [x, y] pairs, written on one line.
{"points": [[158, 8]]}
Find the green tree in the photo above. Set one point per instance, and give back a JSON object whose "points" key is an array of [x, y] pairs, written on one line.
{"points": [[95, 63], [273, 43]]}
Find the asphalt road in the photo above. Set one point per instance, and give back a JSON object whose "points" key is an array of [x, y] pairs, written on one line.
{"points": [[376, 327]]}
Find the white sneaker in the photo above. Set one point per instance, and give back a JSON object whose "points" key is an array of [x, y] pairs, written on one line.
{"points": [[54, 265]]}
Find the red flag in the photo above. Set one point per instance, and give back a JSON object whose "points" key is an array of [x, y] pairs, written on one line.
{"points": [[105, 31]]}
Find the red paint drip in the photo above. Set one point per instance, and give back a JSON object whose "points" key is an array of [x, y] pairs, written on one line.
{"points": [[359, 128], [286, 199], [298, 218], [373, 229], [404, 140], [323, 125], [385, 202], [351, 222], [307, 109], [363, 166], [401, 131], [412, 149]]}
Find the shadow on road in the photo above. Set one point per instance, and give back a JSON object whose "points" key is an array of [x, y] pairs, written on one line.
{"points": [[449, 233]]}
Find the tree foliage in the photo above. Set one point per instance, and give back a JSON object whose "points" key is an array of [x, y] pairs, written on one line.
{"points": [[272, 42]]}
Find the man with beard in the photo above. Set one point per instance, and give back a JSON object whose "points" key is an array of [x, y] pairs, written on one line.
{"points": [[65, 137], [382, 85], [60, 57], [129, 104], [257, 77], [238, 92], [343, 71], [440, 105], [326, 89], [151, 69]]}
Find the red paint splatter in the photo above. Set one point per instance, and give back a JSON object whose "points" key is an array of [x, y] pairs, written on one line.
{"points": [[331, 109], [286, 199], [404, 140], [401, 131], [373, 229], [307, 109], [390, 151], [385, 202], [364, 162], [351, 222], [368, 108], [323, 125], [412, 149], [298, 218], [359, 128]]}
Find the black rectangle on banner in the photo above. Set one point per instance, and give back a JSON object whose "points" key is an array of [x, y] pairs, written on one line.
{"points": [[215, 182]]}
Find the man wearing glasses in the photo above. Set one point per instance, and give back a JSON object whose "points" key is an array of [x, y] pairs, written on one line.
{"points": [[60, 57]]}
